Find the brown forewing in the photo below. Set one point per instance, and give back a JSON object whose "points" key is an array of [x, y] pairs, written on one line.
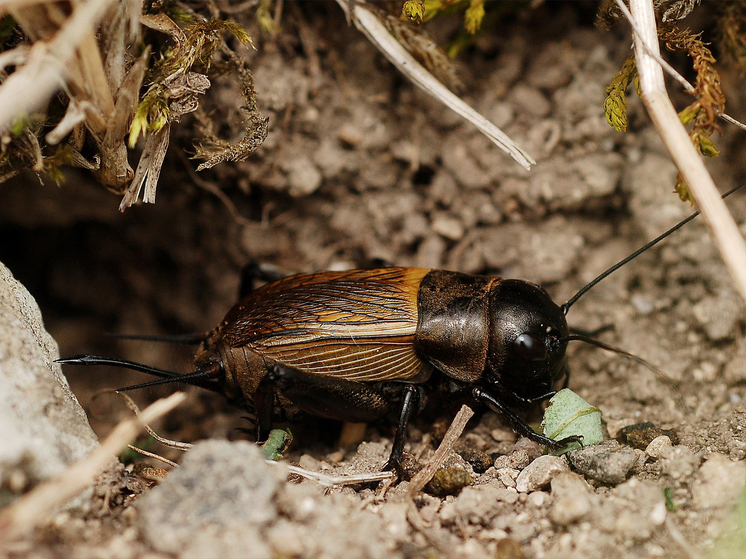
{"points": [[356, 325]]}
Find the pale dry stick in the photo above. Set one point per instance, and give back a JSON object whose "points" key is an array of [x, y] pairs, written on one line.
{"points": [[152, 455], [36, 506], [75, 114], [420, 480], [376, 32], [679, 538], [670, 70], [730, 120], [723, 228], [31, 86], [150, 431], [330, 481]]}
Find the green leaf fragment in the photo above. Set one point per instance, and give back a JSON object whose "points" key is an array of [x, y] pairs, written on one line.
{"points": [[707, 146], [276, 444], [682, 189], [567, 415], [688, 114], [615, 104]]}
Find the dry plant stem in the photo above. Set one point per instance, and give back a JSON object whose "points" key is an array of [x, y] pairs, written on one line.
{"points": [[319, 477], [164, 441], [420, 480], [331, 481], [31, 87], [34, 507], [670, 70], [376, 32], [723, 229], [686, 547], [152, 455]]}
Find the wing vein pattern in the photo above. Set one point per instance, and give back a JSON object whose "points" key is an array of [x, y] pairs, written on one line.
{"points": [[355, 325]]}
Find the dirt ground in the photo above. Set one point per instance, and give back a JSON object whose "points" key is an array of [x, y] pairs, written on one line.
{"points": [[361, 165]]}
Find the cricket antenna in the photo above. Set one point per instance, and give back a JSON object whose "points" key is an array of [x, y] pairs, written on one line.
{"points": [[660, 375], [203, 377], [566, 307]]}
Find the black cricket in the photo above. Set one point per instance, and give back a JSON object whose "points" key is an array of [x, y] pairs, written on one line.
{"points": [[361, 345]]}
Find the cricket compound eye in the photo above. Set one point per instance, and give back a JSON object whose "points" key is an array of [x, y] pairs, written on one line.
{"points": [[531, 347]]}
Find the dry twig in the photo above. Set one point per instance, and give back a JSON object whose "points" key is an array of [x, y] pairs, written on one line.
{"points": [[420, 480], [330, 481], [31, 87], [723, 229]]}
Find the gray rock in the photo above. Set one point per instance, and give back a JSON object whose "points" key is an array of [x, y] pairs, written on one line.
{"points": [[680, 464], [220, 491], [719, 316], [608, 462], [636, 509], [530, 101], [303, 176], [44, 429], [540, 472]]}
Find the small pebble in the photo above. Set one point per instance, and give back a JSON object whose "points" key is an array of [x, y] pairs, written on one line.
{"points": [[507, 476], [570, 510], [719, 316], [659, 447], [303, 177], [643, 304], [479, 504], [538, 499], [680, 464], [448, 227], [532, 449], [539, 473], [608, 462], [638, 508]]}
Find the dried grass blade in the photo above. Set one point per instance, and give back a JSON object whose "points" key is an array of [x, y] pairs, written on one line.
{"points": [[376, 32], [723, 229]]}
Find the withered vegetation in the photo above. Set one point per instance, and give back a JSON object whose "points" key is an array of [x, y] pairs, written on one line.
{"points": [[89, 84], [80, 83], [702, 114]]}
